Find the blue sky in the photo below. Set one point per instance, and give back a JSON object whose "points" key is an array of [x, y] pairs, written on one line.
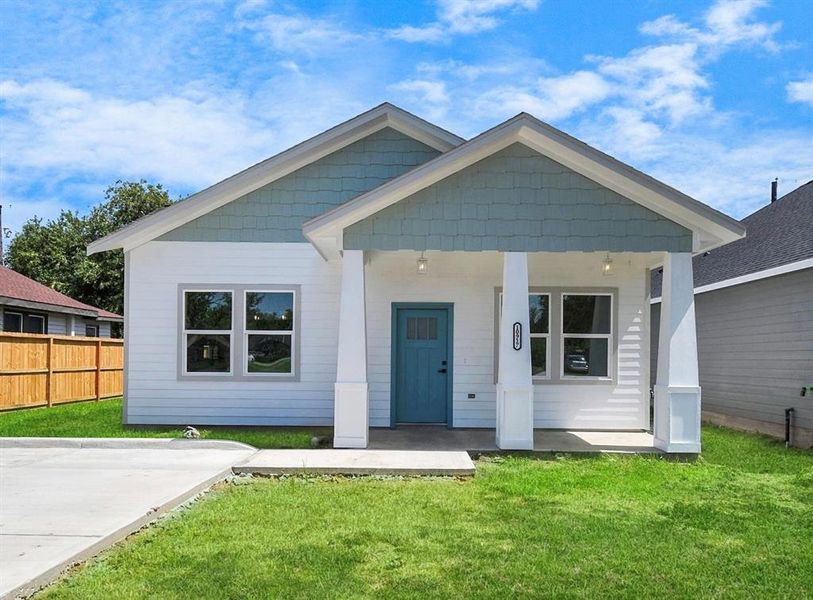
{"points": [[712, 97]]}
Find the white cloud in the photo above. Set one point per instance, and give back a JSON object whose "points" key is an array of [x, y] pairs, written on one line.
{"points": [[801, 91], [549, 98], [179, 139], [431, 33], [291, 33], [433, 92], [461, 17], [727, 23], [473, 16], [659, 80]]}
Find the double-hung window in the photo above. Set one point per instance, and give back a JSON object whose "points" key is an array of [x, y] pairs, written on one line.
{"points": [[207, 331], [587, 344], [269, 332], [539, 320]]}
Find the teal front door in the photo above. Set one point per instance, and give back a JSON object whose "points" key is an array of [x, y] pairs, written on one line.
{"points": [[423, 372]]}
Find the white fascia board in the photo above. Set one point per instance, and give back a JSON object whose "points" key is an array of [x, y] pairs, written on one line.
{"points": [[765, 274], [710, 227], [276, 167]]}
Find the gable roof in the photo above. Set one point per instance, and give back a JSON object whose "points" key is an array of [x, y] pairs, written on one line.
{"points": [[711, 227], [779, 234], [17, 287], [385, 115]]}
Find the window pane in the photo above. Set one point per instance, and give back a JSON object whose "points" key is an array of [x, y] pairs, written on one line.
{"points": [[432, 333], [269, 353], [33, 324], [412, 328], [207, 353], [586, 314], [539, 356], [586, 356], [270, 311], [539, 315], [208, 310], [91, 331], [12, 322]]}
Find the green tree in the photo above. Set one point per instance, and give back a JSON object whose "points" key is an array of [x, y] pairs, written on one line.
{"points": [[54, 252]]}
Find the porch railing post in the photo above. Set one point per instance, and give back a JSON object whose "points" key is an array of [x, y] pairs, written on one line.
{"points": [[350, 407], [515, 394]]}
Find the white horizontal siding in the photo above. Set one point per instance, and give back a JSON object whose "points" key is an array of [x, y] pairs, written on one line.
{"points": [[467, 280], [154, 393]]}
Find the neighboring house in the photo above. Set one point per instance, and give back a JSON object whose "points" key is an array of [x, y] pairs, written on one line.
{"points": [[388, 272], [30, 307], [754, 306]]}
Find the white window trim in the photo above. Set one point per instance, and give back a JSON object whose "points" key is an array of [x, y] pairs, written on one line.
{"points": [[13, 312], [95, 328], [185, 332], [589, 336], [293, 333]]}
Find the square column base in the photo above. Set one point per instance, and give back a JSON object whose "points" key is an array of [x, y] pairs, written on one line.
{"points": [[677, 418], [515, 417], [350, 415]]}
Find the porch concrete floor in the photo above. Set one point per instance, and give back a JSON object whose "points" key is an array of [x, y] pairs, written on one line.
{"points": [[419, 437]]}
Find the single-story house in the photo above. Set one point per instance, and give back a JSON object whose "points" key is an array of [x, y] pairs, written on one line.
{"points": [[27, 306], [389, 272], [754, 307]]}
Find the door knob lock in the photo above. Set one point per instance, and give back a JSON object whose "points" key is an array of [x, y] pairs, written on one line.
{"points": [[441, 370]]}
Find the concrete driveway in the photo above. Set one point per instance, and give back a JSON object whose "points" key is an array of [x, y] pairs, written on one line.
{"points": [[62, 501]]}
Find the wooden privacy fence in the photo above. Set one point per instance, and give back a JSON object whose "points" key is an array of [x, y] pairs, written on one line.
{"points": [[43, 370]]}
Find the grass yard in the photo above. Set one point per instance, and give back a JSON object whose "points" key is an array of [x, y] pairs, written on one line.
{"points": [[738, 522], [103, 419]]}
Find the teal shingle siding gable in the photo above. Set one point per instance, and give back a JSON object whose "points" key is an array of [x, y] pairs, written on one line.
{"points": [[517, 200], [276, 212]]}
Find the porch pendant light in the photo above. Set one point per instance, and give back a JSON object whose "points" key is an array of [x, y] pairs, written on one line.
{"points": [[607, 265], [423, 265]]}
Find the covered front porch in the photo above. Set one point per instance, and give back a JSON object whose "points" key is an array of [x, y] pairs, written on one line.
{"points": [[513, 351]]}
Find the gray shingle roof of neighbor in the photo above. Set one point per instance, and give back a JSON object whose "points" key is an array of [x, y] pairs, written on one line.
{"points": [[777, 234]]}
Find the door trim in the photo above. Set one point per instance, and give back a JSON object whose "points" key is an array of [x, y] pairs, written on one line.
{"points": [[449, 308]]}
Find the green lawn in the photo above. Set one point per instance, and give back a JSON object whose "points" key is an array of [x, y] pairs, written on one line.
{"points": [[103, 419], [738, 522]]}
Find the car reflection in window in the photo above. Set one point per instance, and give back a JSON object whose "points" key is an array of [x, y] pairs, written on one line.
{"points": [[576, 363]]}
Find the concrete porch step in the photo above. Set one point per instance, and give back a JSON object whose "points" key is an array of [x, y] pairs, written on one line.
{"points": [[358, 462]]}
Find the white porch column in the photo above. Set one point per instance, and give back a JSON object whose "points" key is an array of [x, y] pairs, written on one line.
{"points": [[677, 393], [350, 416], [515, 393]]}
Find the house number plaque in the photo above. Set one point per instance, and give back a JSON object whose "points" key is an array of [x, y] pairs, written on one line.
{"points": [[517, 336]]}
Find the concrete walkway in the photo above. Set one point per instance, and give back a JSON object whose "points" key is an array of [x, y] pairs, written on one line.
{"points": [[62, 500], [358, 462]]}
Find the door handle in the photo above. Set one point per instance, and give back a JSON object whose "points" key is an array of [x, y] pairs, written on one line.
{"points": [[441, 370]]}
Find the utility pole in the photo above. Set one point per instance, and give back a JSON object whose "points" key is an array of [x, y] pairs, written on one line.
{"points": [[3, 233]]}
